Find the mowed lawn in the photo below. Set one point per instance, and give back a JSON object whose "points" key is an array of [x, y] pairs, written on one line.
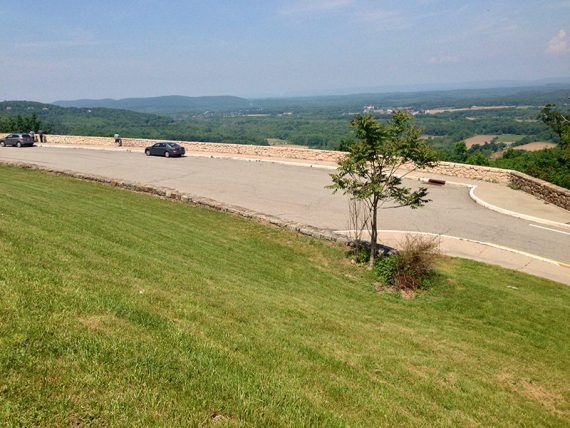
{"points": [[121, 309]]}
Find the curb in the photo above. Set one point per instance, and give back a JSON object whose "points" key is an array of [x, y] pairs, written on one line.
{"points": [[504, 211], [127, 149], [491, 207], [124, 149], [487, 244], [266, 160], [560, 272]]}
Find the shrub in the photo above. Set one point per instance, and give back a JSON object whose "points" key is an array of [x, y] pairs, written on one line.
{"points": [[385, 268], [412, 267]]}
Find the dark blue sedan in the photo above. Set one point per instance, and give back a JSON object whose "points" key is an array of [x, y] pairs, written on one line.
{"points": [[165, 149]]}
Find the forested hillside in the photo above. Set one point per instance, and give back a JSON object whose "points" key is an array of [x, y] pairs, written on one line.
{"points": [[83, 121]]}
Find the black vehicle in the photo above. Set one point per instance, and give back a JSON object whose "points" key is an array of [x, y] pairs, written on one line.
{"points": [[18, 140], [165, 149]]}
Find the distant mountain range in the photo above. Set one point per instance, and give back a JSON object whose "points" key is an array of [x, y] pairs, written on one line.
{"points": [[165, 104], [182, 106], [437, 87]]}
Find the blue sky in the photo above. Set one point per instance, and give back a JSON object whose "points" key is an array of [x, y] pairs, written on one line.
{"points": [[64, 49]]}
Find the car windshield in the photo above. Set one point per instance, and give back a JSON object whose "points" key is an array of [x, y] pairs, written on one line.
{"points": [[174, 145]]}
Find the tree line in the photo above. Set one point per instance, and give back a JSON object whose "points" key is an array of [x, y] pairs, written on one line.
{"points": [[21, 123]]}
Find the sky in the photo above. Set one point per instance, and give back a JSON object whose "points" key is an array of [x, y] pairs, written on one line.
{"points": [[69, 49]]}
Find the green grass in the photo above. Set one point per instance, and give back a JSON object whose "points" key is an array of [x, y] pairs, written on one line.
{"points": [[121, 309]]}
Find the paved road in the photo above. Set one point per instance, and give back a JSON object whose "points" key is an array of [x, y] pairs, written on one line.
{"points": [[298, 193]]}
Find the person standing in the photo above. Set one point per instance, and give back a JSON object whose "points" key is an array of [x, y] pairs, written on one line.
{"points": [[42, 137], [33, 136]]}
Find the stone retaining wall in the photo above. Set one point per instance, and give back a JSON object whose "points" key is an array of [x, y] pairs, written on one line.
{"points": [[539, 188], [281, 152], [473, 172]]}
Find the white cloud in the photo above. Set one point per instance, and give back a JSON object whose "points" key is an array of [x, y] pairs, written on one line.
{"points": [[303, 7], [558, 45]]}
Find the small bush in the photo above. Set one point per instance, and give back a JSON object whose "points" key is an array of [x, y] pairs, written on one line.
{"points": [[385, 269], [412, 267], [361, 255], [359, 251]]}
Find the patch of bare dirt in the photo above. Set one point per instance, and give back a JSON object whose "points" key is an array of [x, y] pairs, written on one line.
{"points": [[538, 393], [536, 146], [478, 139], [552, 400], [105, 322]]}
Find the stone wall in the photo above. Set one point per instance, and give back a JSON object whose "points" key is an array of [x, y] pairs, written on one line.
{"points": [[281, 152], [473, 172], [541, 189]]}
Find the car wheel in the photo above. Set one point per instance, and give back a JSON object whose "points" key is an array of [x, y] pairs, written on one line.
{"points": [[18, 144], [147, 152], [2, 144], [166, 154]]}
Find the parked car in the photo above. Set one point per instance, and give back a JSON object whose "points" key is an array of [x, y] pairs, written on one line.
{"points": [[165, 149], [18, 140]]}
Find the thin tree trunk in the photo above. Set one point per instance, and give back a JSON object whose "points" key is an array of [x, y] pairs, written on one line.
{"points": [[373, 232]]}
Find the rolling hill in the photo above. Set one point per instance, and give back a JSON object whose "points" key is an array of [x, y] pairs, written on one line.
{"points": [[86, 121], [182, 106], [164, 105]]}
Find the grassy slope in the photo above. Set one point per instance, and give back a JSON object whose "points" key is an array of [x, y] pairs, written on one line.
{"points": [[118, 308]]}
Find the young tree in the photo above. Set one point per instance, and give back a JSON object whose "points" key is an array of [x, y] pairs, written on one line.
{"points": [[376, 163]]}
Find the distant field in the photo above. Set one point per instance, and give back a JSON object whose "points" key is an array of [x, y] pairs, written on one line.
{"points": [[509, 138], [501, 138], [478, 139], [473, 108], [536, 146], [120, 309]]}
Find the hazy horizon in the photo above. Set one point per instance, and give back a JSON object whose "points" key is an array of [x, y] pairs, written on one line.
{"points": [[419, 88], [65, 49]]}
